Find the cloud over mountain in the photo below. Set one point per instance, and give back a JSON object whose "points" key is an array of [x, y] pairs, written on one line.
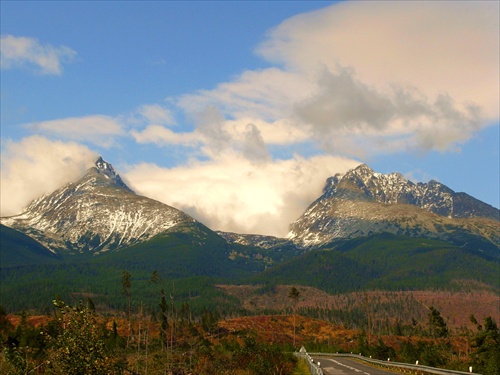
{"points": [[362, 93], [233, 193], [37, 166]]}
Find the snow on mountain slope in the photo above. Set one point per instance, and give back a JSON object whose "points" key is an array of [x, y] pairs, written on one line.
{"points": [[257, 240], [97, 213], [362, 202]]}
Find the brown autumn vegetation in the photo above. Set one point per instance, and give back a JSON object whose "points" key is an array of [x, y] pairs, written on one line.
{"points": [[440, 329], [455, 307]]}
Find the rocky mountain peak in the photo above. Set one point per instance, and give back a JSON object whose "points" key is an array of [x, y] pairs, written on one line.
{"points": [[361, 170], [364, 183], [103, 174], [105, 167]]}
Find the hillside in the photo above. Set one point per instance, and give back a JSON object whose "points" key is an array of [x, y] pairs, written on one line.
{"points": [[18, 249], [188, 259], [388, 262]]}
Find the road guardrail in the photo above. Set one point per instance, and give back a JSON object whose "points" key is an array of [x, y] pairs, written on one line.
{"points": [[314, 368], [401, 367]]}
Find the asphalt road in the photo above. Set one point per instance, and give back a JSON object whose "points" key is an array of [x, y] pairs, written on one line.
{"points": [[348, 366]]}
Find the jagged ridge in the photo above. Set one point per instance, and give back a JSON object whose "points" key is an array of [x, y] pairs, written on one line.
{"points": [[393, 188], [362, 202]]}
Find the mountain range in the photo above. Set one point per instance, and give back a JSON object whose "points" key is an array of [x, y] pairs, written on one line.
{"points": [[98, 226]]}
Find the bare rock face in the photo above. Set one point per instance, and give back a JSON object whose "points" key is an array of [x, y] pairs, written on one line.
{"points": [[362, 202]]}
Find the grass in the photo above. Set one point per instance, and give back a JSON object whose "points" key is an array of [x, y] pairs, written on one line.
{"points": [[302, 368]]}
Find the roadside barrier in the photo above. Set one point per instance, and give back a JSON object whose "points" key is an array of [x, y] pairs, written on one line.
{"points": [[314, 368], [401, 367]]}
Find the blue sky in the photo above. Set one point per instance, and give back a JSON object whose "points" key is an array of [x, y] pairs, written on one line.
{"points": [[237, 112]]}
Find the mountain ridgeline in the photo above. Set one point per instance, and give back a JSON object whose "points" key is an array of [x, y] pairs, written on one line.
{"points": [[361, 203], [367, 230]]}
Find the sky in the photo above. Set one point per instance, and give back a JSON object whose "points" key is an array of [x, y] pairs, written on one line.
{"points": [[238, 112]]}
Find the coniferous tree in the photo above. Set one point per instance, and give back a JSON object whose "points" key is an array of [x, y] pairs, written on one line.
{"points": [[127, 286], [437, 325], [294, 296], [163, 317], [486, 356]]}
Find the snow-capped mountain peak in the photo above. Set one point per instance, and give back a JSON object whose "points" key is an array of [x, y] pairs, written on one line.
{"points": [[99, 212], [361, 202]]}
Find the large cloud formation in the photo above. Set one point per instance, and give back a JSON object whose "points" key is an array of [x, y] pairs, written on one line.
{"points": [[375, 77], [434, 46], [232, 193], [355, 79]]}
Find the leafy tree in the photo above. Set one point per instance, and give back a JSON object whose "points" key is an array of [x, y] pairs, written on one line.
{"points": [[23, 347], [431, 354], [382, 351], [90, 304], [263, 358], [5, 325], [155, 278], [408, 352], [209, 320], [126, 290], [79, 349]]}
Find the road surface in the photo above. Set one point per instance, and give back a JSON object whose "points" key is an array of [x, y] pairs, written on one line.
{"points": [[348, 366]]}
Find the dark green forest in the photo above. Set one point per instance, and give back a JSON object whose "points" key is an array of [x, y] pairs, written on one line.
{"points": [[386, 262], [30, 277]]}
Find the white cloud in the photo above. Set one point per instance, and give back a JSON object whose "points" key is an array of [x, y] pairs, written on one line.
{"points": [[22, 51], [36, 166], [349, 117], [234, 194], [266, 94], [437, 47], [280, 132], [156, 114], [358, 79], [97, 129], [162, 136], [213, 136]]}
